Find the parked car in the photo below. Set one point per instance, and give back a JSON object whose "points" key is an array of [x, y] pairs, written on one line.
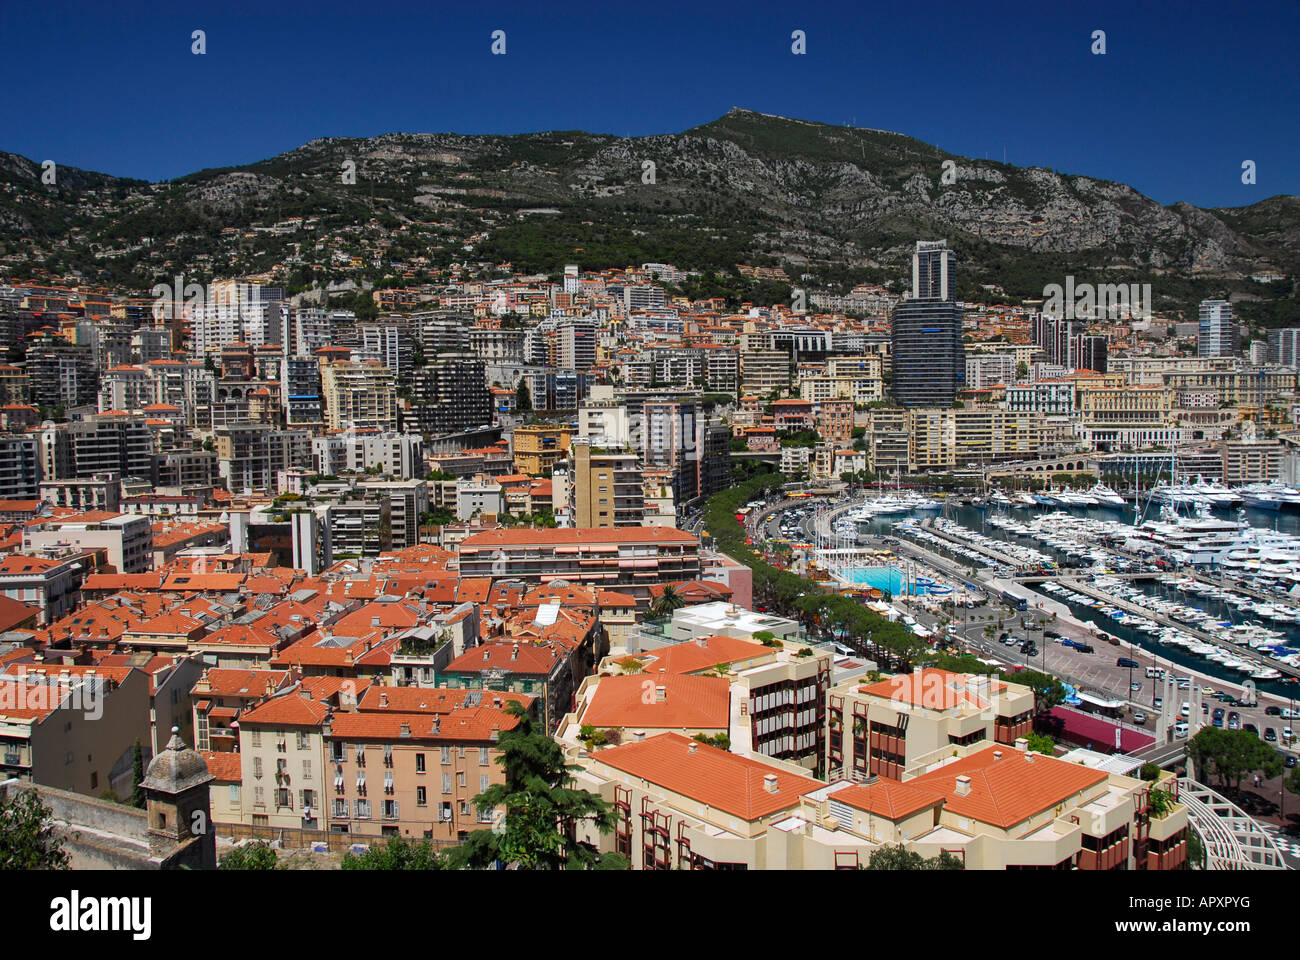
{"points": [[1251, 728], [1234, 721], [1270, 735], [1180, 730], [1272, 711], [1139, 718], [1126, 662], [1135, 686]]}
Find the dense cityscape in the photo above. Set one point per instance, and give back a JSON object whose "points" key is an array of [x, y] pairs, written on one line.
{"points": [[727, 560], [623, 482]]}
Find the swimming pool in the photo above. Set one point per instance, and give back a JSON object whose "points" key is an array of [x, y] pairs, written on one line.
{"points": [[891, 579]]}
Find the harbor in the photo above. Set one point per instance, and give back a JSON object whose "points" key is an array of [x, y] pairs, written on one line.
{"points": [[1212, 585]]}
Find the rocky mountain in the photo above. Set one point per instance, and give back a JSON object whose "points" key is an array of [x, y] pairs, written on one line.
{"points": [[831, 204]]}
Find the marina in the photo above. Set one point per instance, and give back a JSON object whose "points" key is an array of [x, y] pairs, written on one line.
{"points": [[1209, 581]]}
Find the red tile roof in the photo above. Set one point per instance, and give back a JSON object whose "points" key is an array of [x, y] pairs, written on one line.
{"points": [[732, 784], [888, 798], [1010, 790], [689, 703]]}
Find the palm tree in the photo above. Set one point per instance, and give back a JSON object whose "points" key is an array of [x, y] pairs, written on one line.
{"points": [[667, 602]]}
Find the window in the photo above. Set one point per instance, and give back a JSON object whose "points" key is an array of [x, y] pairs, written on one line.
{"points": [[446, 754], [482, 782], [483, 759], [419, 763], [234, 795], [390, 809], [337, 751], [257, 767], [280, 745], [306, 768], [282, 798], [361, 755], [308, 799], [446, 783], [257, 738], [388, 781], [363, 809], [444, 811], [485, 814], [303, 741], [340, 808], [460, 779], [388, 754], [421, 798], [464, 808]]}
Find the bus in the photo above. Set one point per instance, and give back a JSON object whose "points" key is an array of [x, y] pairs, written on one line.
{"points": [[1101, 706], [1014, 601]]}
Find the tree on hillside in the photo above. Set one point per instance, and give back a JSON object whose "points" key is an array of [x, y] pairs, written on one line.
{"points": [[523, 397], [26, 840], [1048, 691], [1231, 755], [250, 856], [1040, 743], [537, 810], [399, 853], [900, 858]]}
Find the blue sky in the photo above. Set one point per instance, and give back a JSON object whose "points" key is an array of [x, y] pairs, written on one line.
{"points": [[1184, 94]]}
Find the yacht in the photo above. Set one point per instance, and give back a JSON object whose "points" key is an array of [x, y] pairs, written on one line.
{"points": [[1217, 494], [1106, 497]]}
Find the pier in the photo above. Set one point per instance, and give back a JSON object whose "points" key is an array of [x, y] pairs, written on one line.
{"points": [[1241, 653]]}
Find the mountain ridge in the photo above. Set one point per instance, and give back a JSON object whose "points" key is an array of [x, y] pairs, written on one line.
{"points": [[838, 204]]}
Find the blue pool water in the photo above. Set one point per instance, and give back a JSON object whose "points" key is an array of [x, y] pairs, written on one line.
{"points": [[888, 578]]}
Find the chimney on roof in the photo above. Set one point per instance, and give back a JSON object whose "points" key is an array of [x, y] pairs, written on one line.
{"points": [[514, 653], [487, 655], [769, 783], [406, 730], [963, 785], [661, 693], [383, 699], [1029, 756], [690, 747], [1022, 744]]}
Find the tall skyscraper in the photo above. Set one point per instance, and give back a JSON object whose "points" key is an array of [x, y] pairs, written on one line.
{"points": [[1284, 346], [929, 358], [934, 271], [1219, 335]]}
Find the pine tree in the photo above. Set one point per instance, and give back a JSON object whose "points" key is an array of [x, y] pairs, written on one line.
{"points": [[538, 811], [137, 775]]}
